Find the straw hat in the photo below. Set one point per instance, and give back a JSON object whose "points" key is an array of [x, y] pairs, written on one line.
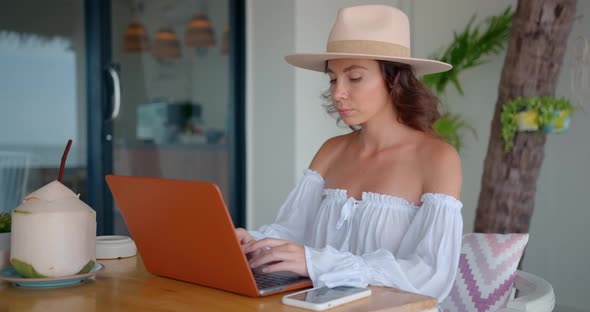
{"points": [[377, 32]]}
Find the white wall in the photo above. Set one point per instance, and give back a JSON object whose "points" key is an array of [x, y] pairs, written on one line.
{"points": [[270, 107], [556, 249]]}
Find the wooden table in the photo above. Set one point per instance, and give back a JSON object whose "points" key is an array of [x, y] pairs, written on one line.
{"points": [[125, 285]]}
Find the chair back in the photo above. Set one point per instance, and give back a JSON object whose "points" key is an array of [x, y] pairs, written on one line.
{"points": [[487, 268]]}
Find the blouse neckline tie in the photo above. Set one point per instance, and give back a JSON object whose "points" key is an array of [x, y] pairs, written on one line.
{"points": [[346, 212]]}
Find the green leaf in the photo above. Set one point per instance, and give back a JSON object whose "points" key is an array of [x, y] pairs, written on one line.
{"points": [[5, 222], [469, 49], [457, 84], [451, 127]]}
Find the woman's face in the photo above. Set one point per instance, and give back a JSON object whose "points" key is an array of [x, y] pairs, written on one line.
{"points": [[358, 90]]}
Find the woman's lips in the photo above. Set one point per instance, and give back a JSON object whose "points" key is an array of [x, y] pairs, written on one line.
{"points": [[344, 112]]}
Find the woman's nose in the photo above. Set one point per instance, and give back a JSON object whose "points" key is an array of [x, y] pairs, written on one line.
{"points": [[339, 91]]}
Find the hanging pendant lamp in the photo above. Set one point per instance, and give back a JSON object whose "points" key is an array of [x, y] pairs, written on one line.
{"points": [[136, 38], [166, 45], [199, 32]]}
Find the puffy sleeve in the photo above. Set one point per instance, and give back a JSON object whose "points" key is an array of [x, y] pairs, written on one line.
{"points": [[298, 210], [426, 261]]}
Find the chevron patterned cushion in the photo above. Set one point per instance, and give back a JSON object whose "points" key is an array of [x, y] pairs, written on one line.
{"points": [[487, 267]]}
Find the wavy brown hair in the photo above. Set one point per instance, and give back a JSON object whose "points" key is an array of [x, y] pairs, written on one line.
{"points": [[416, 106]]}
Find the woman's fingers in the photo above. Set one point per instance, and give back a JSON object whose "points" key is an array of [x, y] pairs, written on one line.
{"points": [[271, 255], [244, 238], [286, 257], [277, 255], [245, 246], [265, 243]]}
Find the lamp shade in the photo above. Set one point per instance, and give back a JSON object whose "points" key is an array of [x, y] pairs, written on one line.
{"points": [[199, 32], [136, 38], [166, 45]]}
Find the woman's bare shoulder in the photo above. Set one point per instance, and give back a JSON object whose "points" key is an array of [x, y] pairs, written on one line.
{"points": [[327, 152], [442, 168]]}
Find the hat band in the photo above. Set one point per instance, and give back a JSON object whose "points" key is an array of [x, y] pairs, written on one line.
{"points": [[368, 47]]}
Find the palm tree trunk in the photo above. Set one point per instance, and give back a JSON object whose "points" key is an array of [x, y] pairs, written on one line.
{"points": [[536, 48]]}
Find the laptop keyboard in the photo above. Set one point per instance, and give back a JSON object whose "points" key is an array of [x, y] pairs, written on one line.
{"points": [[272, 280]]}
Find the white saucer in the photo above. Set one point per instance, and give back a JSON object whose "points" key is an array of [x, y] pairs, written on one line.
{"points": [[115, 246], [9, 274]]}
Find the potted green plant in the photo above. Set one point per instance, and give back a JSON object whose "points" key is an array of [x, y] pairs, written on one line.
{"points": [[547, 113], [555, 114], [520, 114], [5, 223]]}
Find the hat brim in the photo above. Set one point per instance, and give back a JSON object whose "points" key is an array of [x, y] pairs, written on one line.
{"points": [[317, 61]]}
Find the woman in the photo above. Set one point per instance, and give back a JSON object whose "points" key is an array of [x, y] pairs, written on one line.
{"points": [[351, 219]]}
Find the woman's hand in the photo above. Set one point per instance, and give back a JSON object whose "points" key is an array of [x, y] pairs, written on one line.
{"points": [[278, 255], [245, 238]]}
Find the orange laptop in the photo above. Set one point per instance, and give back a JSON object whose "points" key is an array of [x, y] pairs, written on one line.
{"points": [[183, 231]]}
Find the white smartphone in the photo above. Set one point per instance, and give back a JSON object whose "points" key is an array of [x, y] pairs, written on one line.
{"points": [[319, 299]]}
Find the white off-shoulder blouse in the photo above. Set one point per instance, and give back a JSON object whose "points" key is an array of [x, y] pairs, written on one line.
{"points": [[379, 240]]}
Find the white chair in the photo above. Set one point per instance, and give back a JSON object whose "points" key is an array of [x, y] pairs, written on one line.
{"points": [[14, 175], [533, 294]]}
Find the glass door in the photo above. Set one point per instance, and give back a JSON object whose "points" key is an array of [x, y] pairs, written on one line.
{"points": [[172, 83], [43, 95]]}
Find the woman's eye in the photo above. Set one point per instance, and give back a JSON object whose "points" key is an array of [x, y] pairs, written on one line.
{"points": [[355, 78], [332, 81]]}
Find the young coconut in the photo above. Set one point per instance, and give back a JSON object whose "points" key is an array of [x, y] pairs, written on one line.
{"points": [[53, 232]]}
